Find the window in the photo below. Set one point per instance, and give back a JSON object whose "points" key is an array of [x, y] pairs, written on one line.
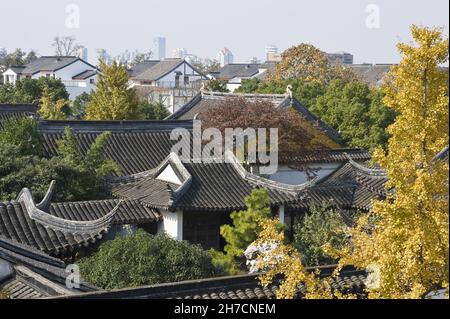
{"points": [[92, 81], [186, 80]]}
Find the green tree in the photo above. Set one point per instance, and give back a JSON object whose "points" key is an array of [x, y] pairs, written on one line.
{"points": [[19, 170], [31, 90], [24, 134], [306, 92], [152, 111], [112, 98], [215, 85], [357, 111], [79, 104], [242, 233], [91, 168], [143, 259], [22, 164], [317, 228]]}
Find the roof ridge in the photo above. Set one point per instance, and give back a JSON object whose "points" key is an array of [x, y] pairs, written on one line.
{"points": [[252, 178], [64, 225], [256, 95]]}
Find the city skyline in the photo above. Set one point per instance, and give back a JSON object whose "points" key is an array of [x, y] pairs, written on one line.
{"points": [[282, 23]]}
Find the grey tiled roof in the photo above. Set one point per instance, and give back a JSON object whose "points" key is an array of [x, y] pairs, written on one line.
{"points": [[16, 111], [34, 273], [207, 187], [59, 228], [136, 146], [85, 75], [141, 67], [129, 212], [18, 288], [340, 155], [241, 287], [350, 186], [371, 73], [157, 70], [48, 63], [244, 70], [17, 225]]}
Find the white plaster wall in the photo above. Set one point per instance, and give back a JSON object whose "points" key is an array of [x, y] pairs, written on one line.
{"points": [[9, 76], [67, 73], [169, 175], [172, 224], [234, 84], [292, 176]]}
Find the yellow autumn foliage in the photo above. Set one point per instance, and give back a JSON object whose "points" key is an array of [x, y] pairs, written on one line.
{"points": [[405, 238], [409, 240]]}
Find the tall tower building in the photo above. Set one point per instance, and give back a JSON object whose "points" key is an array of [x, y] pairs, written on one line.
{"points": [[225, 57], [160, 47], [83, 53]]}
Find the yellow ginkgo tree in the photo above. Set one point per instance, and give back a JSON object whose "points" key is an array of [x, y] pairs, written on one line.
{"points": [[405, 238], [409, 242], [50, 109]]}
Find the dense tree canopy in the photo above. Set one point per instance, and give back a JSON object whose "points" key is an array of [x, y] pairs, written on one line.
{"points": [[143, 259], [112, 98], [215, 85], [31, 91], [152, 111], [78, 106], [357, 112], [23, 164], [50, 109], [352, 108]]}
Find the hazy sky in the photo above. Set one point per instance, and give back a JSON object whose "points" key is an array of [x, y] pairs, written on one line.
{"points": [[205, 26]]}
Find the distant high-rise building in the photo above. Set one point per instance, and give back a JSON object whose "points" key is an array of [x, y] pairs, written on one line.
{"points": [[341, 57], [225, 57], [254, 60], [179, 53], [270, 50], [160, 47], [83, 53]]}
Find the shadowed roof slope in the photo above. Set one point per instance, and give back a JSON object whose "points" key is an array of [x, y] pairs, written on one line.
{"points": [[352, 186], [16, 111], [136, 146], [154, 70], [33, 274]]}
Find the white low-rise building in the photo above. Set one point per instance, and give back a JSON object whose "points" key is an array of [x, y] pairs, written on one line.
{"points": [[77, 75]]}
